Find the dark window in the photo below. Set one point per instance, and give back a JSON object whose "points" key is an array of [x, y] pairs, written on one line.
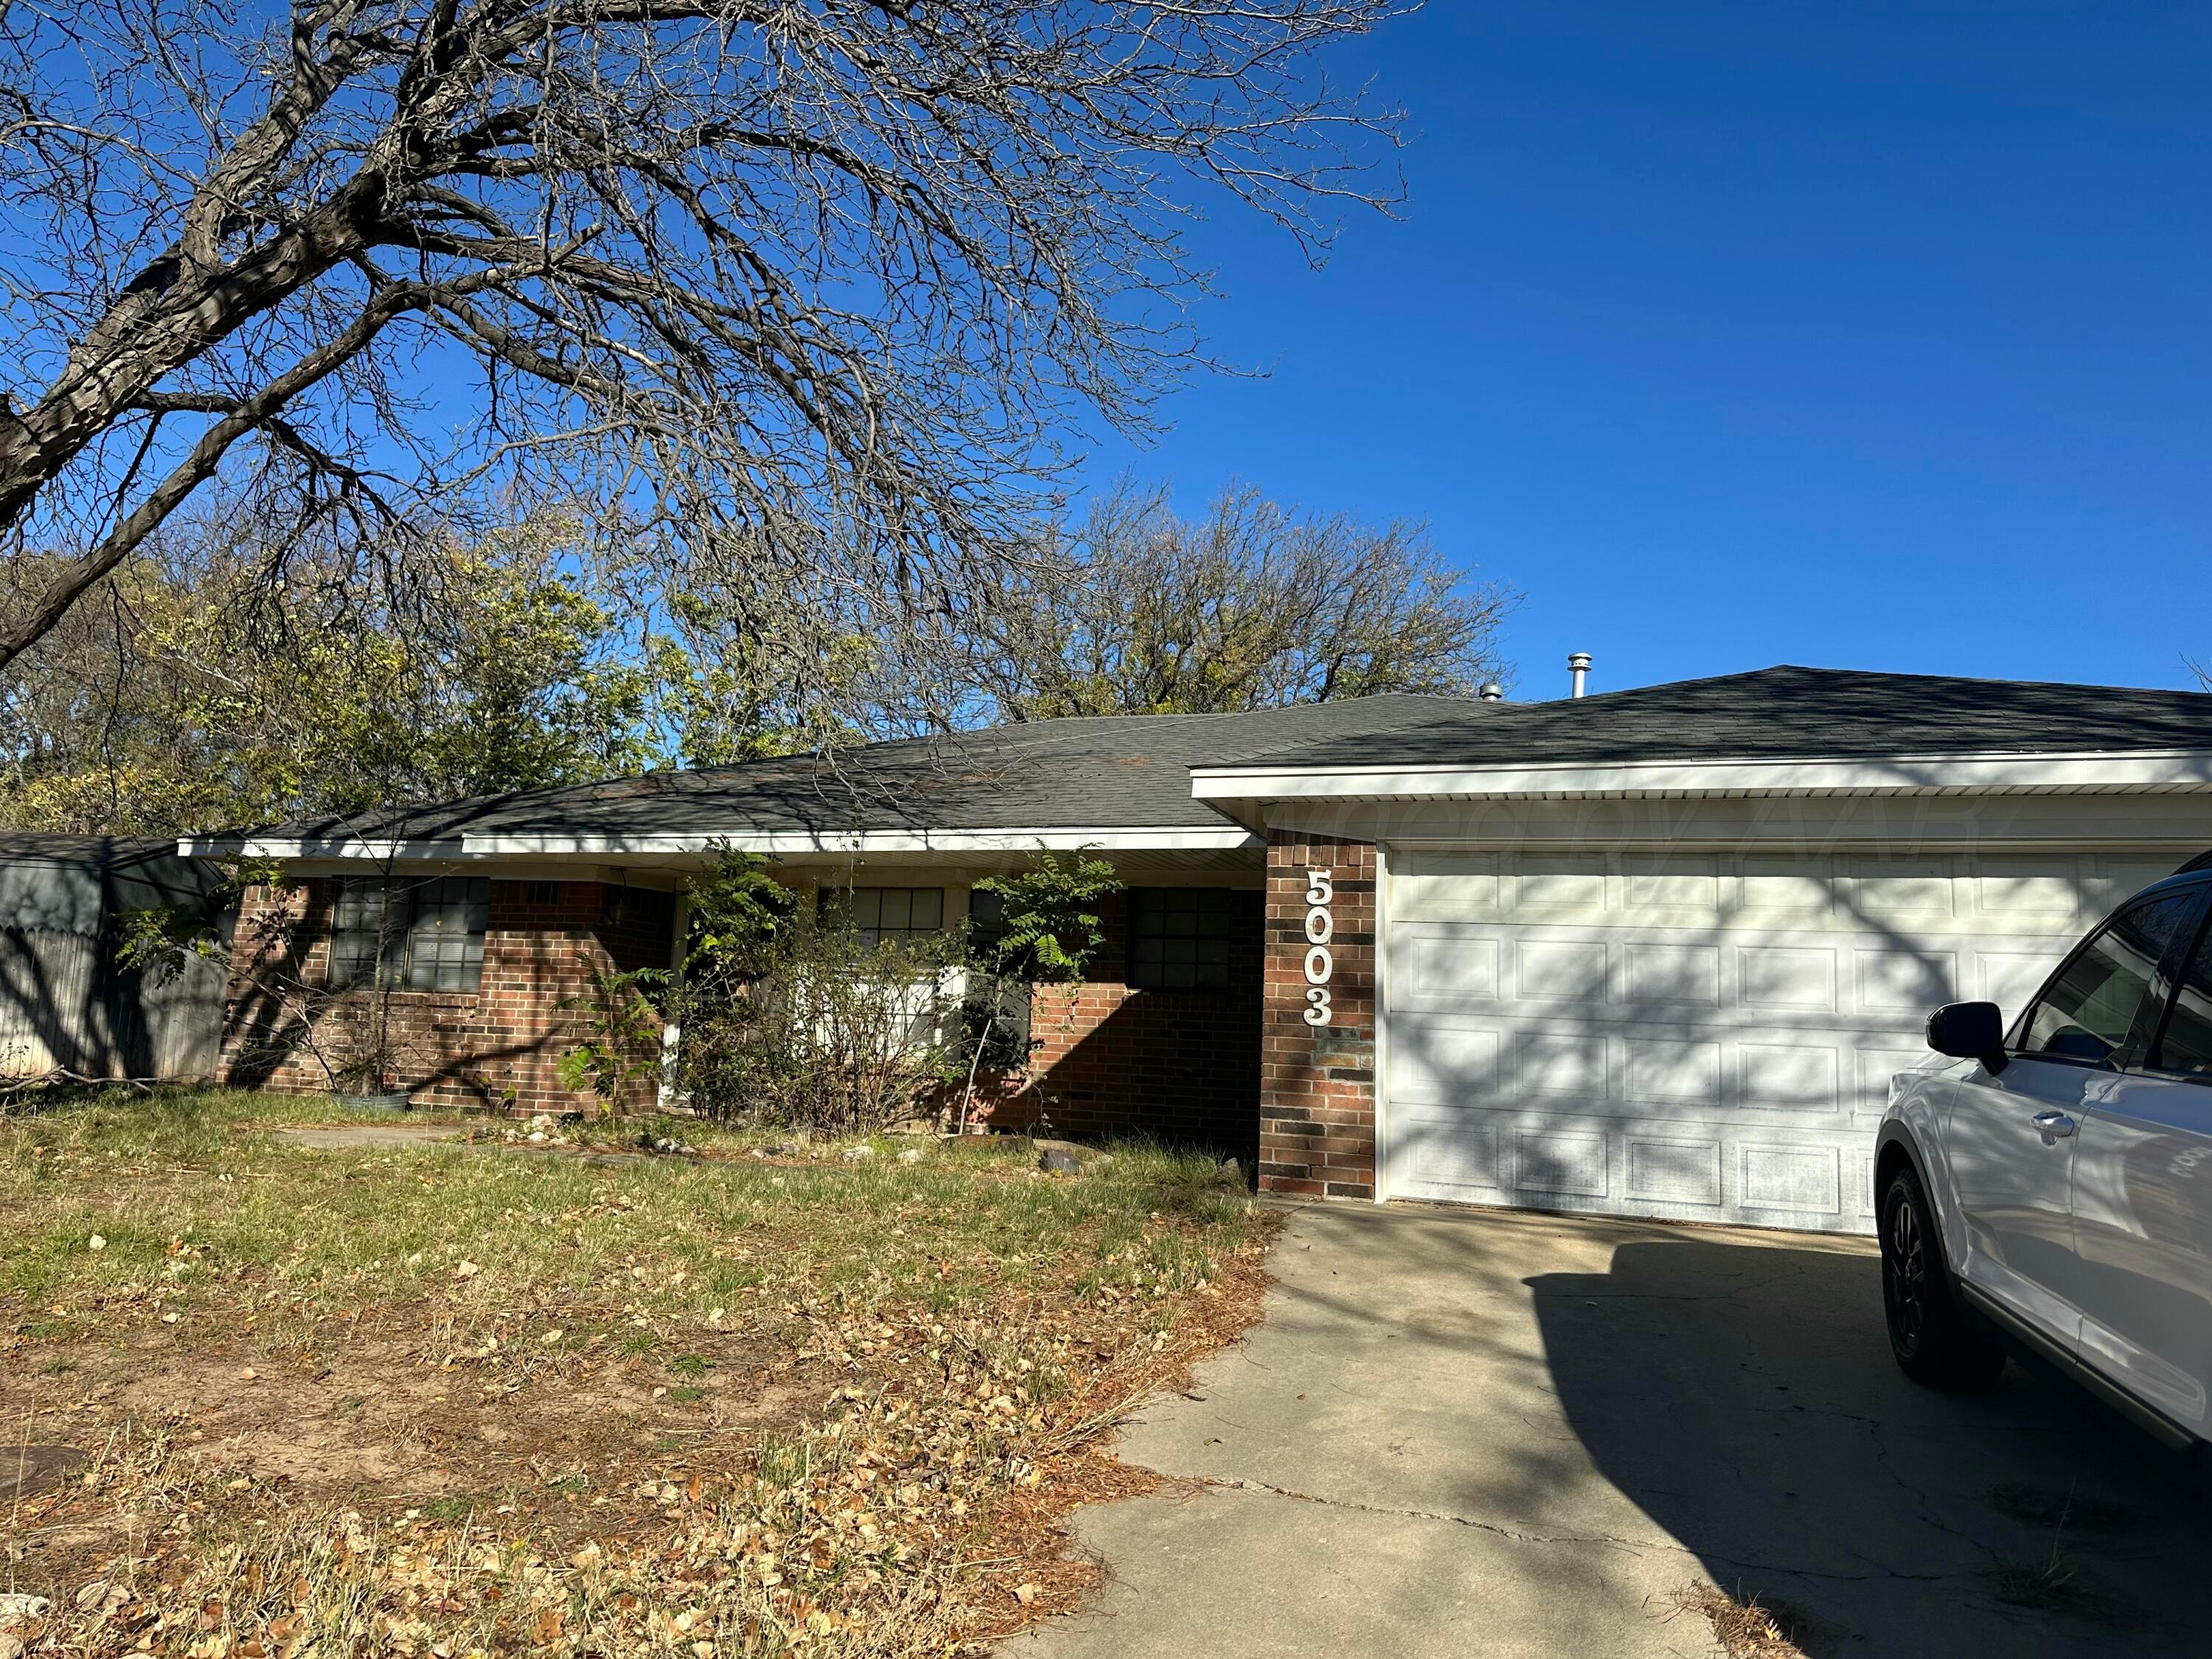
{"points": [[412, 935], [1179, 937], [878, 913], [542, 893], [2087, 1011], [986, 921], [2186, 1044]]}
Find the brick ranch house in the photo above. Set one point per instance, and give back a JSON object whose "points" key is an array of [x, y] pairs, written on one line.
{"points": [[1653, 952]]}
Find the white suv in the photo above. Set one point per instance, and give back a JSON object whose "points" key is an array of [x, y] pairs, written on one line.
{"points": [[2049, 1188]]}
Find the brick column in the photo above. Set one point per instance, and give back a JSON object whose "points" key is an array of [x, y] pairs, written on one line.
{"points": [[1317, 1082]]}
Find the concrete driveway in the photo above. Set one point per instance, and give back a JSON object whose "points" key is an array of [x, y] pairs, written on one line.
{"points": [[1488, 1433]]}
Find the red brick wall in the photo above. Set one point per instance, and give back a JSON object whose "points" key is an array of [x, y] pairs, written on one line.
{"points": [[499, 1046], [1182, 1066], [1317, 1082]]}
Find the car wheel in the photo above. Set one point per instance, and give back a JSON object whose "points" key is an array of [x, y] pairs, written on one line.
{"points": [[1929, 1330]]}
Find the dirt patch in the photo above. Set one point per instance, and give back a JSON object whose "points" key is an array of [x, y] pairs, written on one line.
{"points": [[371, 1425]]}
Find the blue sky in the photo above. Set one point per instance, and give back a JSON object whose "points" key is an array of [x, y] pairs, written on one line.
{"points": [[1853, 334]]}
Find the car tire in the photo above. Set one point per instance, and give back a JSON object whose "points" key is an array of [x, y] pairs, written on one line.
{"points": [[1935, 1342]]}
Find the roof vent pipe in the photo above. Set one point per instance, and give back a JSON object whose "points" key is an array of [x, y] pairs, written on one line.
{"points": [[1491, 691], [1579, 665]]}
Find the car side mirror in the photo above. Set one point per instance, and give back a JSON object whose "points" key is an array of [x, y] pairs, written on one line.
{"points": [[1969, 1030]]}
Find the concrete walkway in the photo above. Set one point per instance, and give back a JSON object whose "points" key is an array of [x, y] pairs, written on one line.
{"points": [[1483, 1433]]}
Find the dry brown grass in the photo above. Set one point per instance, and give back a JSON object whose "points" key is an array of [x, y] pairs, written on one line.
{"points": [[1750, 1629], [466, 1402]]}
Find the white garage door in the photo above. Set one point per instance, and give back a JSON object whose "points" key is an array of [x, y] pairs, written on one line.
{"points": [[1697, 1036]]}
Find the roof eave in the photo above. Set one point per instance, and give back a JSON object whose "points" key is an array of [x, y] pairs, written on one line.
{"points": [[1227, 788]]}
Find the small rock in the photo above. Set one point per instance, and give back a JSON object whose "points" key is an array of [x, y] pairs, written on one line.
{"points": [[1026, 1594], [466, 1270], [1231, 1170], [859, 1154], [1086, 1157], [95, 1242], [911, 1155], [535, 1137]]}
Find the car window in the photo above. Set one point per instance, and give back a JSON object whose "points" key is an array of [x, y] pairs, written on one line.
{"points": [[2186, 1045], [2088, 1010]]}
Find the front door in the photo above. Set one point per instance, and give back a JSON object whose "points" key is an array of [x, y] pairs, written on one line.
{"points": [[2013, 1135]]}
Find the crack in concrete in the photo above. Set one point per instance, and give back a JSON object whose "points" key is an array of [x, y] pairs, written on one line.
{"points": [[1636, 1546], [1239, 1484]]}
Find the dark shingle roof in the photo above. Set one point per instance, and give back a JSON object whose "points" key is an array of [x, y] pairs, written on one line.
{"points": [[1106, 773], [1783, 714], [1134, 772]]}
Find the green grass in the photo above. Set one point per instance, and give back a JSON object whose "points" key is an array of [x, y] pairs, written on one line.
{"points": [[197, 1209]]}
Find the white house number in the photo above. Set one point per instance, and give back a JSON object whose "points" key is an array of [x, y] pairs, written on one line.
{"points": [[1321, 893]]}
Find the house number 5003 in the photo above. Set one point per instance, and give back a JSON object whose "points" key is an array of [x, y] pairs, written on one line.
{"points": [[1321, 926]]}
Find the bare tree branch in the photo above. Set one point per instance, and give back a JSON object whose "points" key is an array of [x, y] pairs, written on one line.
{"points": [[806, 298]]}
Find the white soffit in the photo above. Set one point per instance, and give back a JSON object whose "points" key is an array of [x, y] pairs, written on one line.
{"points": [[2142, 772], [787, 843]]}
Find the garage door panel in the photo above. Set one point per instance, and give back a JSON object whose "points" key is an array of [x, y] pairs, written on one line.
{"points": [[1673, 1073], [1570, 1064], [1708, 1037], [1453, 970], [1894, 980], [1786, 978], [1790, 1179], [1454, 1153], [1444, 1063], [1560, 970], [1672, 1170], [1562, 1161], [1673, 972], [1789, 1077]]}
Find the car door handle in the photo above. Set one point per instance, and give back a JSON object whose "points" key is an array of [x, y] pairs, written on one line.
{"points": [[2057, 1125]]}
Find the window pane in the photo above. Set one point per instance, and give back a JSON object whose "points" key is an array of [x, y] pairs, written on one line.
{"points": [[2089, 1010], [986, 920], [1179, 937], [2187, 1044]]}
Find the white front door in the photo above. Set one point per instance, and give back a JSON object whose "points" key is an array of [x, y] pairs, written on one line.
{"points": [[1700, 1036]]}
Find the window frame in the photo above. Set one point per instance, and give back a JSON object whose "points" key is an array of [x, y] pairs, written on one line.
{"points": [[830, 899], [393, 967], [1231, 904], [2149, 1021], [2198, 934]]}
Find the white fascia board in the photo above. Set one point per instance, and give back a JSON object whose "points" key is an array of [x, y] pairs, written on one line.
{"points": [[376, 852], [1229, 837], [2176, 770], [785, 842]]}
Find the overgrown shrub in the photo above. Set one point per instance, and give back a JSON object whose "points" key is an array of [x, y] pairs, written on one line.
{"points": [[790, 1015], [832, 1033]]}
